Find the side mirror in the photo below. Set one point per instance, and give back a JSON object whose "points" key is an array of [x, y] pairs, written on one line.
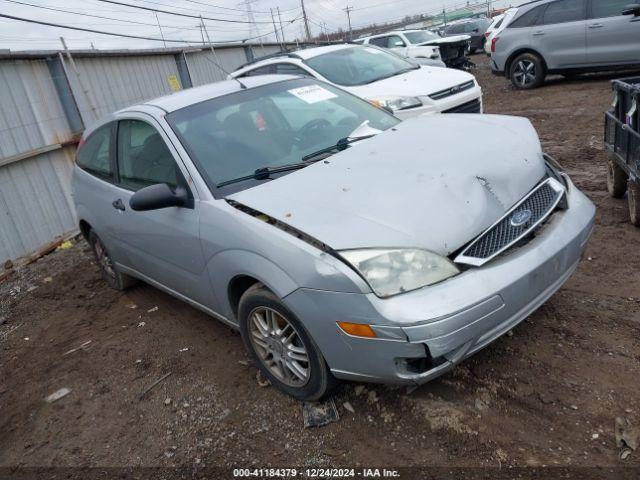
{"points": [[155, 197], [633, 9]]}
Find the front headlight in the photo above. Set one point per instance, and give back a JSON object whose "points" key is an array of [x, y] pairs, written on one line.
{"points": [[393, 271], [396, 103]]}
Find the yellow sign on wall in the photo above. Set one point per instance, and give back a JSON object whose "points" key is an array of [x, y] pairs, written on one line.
{"points": [[174, 83]]}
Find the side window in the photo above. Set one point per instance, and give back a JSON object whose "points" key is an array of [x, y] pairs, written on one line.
{"points": [[290, 69], [564, 11], [395, 41], [608, 8], [470, 27], [529, 18], [379, 42], [143, 157], [266, 70], [94, 155]]}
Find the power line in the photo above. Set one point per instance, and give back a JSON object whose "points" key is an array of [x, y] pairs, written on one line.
{"points": [[167, 12], [113, 34]]}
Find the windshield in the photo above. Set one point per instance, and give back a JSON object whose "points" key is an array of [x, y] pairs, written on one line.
{"points": [[358, 65], [270, 126], [421, 37]]}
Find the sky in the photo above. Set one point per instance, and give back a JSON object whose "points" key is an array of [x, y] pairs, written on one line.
{"points": [[227, 20]]}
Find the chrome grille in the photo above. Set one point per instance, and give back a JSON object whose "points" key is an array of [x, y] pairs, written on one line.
{"points": [[452, 91], [522, 219]]}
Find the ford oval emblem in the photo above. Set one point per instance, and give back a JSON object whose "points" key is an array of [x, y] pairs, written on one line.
{"points": [[521, 217]]}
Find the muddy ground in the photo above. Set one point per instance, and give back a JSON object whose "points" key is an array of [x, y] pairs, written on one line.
{"points": [[546, 394]]}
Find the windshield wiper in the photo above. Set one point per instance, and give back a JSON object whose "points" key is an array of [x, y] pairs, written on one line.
{"points": [[265, 172], [340, 145]]}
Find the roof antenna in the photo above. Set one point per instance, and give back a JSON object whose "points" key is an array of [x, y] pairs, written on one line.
{"points": [[204, 27]]}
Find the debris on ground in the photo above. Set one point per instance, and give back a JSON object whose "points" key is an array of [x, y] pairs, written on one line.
{"points": [[262, 381], [359, 389], [318, 414], [47, 279], [57, 395], [151, 310], [243, 362], [153, 385], [348, 407], [81, 347], [627, 437], [185, 349], [8, 265], [65, 245]]}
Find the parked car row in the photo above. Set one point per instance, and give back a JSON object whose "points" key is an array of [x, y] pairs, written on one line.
{"points": [[308, 203], [378, 76]]}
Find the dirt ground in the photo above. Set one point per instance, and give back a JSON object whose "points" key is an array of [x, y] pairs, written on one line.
{"points": [[546, 394]]}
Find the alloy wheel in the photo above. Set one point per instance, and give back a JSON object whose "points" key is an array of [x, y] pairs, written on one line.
{"points": [[104, 262], [279, 347], [525, 72]]}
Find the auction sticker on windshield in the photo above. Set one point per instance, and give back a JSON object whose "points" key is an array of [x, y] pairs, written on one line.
{"points": [[312, 94]]}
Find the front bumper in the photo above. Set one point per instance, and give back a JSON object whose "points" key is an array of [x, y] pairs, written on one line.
{"points": [[424, 333], [440, 106]]}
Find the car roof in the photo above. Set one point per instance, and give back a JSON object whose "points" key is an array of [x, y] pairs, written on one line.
{"points": [[191, 96]]}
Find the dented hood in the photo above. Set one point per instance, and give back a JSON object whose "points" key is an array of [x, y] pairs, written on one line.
{"points": [[447, 40], [432, 182]]}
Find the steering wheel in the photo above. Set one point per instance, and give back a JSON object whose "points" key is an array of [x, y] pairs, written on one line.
{"points": [[308, 128]]}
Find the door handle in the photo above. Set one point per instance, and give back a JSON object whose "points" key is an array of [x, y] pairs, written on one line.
{"points": [[538, 33], [118, 205], [596, 25]]}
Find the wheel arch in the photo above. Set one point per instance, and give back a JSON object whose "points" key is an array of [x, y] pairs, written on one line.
{"points": [[520, 51]]}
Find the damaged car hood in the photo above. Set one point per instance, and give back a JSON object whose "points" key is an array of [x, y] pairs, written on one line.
{"points": [[432, 182], [446, 40]]}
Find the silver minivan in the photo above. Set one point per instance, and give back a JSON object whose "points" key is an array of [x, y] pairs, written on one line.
{"points": [[567, 37]]}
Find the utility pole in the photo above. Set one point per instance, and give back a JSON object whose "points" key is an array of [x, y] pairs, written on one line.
{"points": [[325, 30], [281, 27], [444, 15], [275, 29], [348, 10], [306, 21], [160, 27], [253, 29]]}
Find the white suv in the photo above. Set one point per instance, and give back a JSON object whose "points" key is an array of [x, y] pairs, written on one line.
{"points": [[380, 77]]}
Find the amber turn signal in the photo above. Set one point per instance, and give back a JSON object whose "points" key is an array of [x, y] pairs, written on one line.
{"points": [[357, 329]]}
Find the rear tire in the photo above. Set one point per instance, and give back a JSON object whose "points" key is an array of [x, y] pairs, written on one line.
{"points": [[527, 71], [281, 347], [634, 201], [108, 269], [616, 179]]}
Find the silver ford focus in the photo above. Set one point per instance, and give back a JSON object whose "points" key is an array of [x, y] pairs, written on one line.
{"points": [[342, 243]]}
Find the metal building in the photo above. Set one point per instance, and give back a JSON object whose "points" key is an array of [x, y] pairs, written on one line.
{"points": [[49, 97]]}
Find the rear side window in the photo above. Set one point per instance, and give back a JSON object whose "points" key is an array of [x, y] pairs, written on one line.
{"points": [[564, 11], [143, 157], [455, 29], [528, 19], [290, 69], [266, 70], [608, 8], [94, 155], [379, 42], [395, 41]]}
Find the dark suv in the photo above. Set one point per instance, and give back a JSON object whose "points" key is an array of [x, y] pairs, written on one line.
{"points": [[475, 28]]}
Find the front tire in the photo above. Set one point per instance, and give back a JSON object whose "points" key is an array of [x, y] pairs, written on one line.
{"points": [[280, 346], [527, 71], [616, 179], [108, 269]]}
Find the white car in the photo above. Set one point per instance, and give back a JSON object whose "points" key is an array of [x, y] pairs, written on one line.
{"points": [[499, 23], [380, 77], [422, 46]]}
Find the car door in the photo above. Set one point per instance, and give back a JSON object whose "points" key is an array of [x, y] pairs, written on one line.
{"points": [[561, 34], [612, 38], [163, 245]]}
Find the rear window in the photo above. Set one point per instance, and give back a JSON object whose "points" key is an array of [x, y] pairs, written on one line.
{"points": [[528, 19], [94, 155], [564, 11]]}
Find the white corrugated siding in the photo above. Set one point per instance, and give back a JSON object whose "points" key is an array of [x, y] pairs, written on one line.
{"points": [[203, 66], [117, 82], [35, 204]]}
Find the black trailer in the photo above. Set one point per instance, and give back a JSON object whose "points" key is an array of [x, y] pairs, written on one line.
{"points": [[622, 144]]}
